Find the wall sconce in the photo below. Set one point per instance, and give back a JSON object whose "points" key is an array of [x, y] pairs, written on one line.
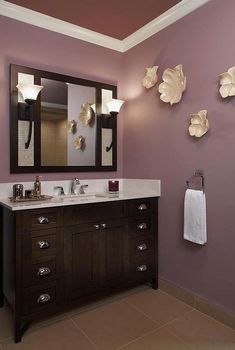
{"points": [[114, 107], [30, 93]]}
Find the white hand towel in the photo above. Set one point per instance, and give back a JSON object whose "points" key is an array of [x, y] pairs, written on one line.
{"points": [[195, 217]]}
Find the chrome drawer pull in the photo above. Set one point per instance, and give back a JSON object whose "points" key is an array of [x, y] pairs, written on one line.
{"points": [[142, 268], [43, 271], [104, 225], [142, 247], [142, 226], [43, 244], [97, 227], [43, 298], [142, 206], [43, 220]]}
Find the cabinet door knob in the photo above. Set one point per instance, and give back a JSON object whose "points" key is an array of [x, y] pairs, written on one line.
{"points": [[43, 244], [142, 226], [43, 298], [97, 227], [43, 271], [43, 220], [104, 225], [142, 247], [142, 268], [142, 207]]}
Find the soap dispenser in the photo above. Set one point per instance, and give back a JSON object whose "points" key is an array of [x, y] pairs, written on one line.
{"points": [[37, 187]]}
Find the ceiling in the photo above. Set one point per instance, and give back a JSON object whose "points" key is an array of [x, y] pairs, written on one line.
{"points": [[117, 19]]}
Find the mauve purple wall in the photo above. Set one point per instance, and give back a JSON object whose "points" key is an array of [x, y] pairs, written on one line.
{"points": [[26, 45], [157, 145]]}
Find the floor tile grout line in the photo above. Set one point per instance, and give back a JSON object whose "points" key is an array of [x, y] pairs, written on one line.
{"points": [[84, 333], [182, 341], [137, 309], [151, 332], [138, 338], [178, 317], [141, 312]]}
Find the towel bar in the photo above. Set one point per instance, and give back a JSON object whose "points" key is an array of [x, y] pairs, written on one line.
{"points": [[198, 173]]}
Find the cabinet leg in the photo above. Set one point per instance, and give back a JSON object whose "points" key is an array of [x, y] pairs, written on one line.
{"points": [[154, 283], [1, 299], [18, 331]]}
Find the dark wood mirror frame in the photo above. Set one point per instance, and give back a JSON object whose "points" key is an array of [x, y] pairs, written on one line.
{"points": [[103, 121]]}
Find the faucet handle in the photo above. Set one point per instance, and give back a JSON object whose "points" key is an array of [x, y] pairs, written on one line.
{"points": [[61, 190], [76, 180]]}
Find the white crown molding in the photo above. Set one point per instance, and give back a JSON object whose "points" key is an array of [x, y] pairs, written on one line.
{"points": [[172, 15]]}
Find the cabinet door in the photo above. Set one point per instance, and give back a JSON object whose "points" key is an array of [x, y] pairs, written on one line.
{"points": [[116, 252], [78, 260]]}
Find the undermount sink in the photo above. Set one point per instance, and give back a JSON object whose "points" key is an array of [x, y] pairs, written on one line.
{"points": [[80, 197]]}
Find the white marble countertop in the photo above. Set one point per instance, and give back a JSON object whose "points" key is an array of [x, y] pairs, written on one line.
{"points": [[129, 189]]}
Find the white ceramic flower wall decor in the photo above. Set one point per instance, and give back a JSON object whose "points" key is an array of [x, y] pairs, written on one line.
{"points": [[79, 142], [173, 85], [227, 82], [150, 78], [72, 126], [86, 114], [199, 124]]}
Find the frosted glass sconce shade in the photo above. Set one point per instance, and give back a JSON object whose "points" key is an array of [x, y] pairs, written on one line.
{"points": [[114, 106], [29, 92]]}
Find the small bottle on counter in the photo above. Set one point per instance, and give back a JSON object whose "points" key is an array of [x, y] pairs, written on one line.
{"points": [[37, 187]]}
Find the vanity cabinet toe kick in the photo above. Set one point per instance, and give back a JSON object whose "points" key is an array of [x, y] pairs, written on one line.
{"points": [[60, 256]]}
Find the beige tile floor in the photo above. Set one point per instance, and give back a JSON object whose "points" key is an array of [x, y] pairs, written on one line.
{"points": [[140, 319]]}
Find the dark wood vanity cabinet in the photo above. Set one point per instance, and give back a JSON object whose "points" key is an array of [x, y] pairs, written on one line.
{"points": [[60, 256]]}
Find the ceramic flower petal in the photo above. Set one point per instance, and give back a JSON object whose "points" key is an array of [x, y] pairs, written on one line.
{"points": [[86, 114], [199, 124], [227, 82], [173, 85], [196, 120], [150, 78], [192, 130]]}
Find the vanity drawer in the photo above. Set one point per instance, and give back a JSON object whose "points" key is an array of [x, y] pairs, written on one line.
{"points": [[40, 299], [141, 206], [41, 244], [142, 248], [86, 213], [42, 272], [144, 269], [141, 226], [40, 219]]}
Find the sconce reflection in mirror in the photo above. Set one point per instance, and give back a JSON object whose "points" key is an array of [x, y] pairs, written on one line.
{"points": [[114, 107], [30, 93]]}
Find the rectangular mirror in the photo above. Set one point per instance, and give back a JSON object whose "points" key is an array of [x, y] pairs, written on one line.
{"points": [[67, 128]]}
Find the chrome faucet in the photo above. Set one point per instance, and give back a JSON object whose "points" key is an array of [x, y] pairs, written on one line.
{"points": [[61, 189], [74, 183], [81, 189]]}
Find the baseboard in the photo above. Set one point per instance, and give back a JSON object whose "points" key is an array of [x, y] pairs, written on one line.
{"points": [[199, 303]]}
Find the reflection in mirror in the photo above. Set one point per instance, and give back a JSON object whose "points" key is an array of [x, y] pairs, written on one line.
{"points": [[106, 131], [68, 125], [25, 155], [106, 96], [80, 98], [107, 154], [53, 123]]}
